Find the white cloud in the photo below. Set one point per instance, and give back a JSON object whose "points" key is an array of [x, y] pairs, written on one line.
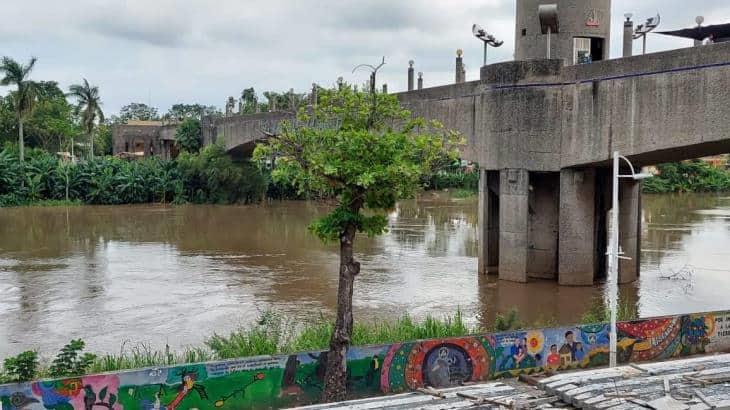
{"points": [[169, 51]]}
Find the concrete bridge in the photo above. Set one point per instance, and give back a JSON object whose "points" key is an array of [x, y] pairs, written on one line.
{"points": [[543, 133]]}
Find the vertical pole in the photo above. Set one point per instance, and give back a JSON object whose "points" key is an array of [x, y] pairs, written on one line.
{"points": [[548, 42], [644, 39], [613, 262], [485, 53]]}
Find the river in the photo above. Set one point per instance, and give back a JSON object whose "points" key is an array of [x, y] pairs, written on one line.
{"points": [[163, 274]]}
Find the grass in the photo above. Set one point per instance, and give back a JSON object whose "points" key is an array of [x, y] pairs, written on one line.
{"points": [[598, 313], [274, 334]]}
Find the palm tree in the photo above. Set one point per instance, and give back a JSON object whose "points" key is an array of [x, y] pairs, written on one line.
{"points": [[25, 96], [89, 106]]}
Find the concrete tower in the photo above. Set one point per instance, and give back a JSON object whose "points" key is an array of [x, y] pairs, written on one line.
{"points": [[584, 28]]}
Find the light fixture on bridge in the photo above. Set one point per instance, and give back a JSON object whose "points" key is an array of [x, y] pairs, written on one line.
{"points": [[699, 20], [548, 14], [486, 38], [628, 16], [643, 29], [614, 252]]}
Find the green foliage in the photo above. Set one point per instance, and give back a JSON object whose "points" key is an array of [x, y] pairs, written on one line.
{"points": [[453, 177], [212, 177], [137, 112], [598, 313], [209, 176], [509, 321], [181, 112], [70, 361], [688, 176], [189, 136], [361, 148], [273, 334], [20, 368]]}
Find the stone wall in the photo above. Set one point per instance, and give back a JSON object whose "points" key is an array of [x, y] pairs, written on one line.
{"points": [[296, 379]]}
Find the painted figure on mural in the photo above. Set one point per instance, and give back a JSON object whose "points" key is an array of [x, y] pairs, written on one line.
{"points": [[568, 350], [440, 372], [553, 359]]}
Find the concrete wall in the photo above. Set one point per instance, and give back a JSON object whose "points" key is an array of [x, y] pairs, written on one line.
{"points": [[240, 133], [573, 15], [160, 138], [288, 380]]}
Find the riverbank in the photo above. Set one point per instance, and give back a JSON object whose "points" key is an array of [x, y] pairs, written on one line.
{"points": [[688, 176], [271, 334]]}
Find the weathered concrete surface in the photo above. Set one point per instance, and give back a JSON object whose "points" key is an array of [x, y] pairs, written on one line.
{"points": [[542, 231], [629, 221], [513, 224], [488, 221], [150, 138], [574, 22], [239, 134], [576, 266]]}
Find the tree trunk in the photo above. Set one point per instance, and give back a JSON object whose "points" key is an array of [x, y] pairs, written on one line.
{"points": [[91, 144], [335, 380], [21, 144]]}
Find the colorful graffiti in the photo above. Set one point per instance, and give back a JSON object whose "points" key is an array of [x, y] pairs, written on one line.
{"points": [[280, 381]]}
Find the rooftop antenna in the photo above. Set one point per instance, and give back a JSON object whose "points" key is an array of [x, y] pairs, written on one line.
{"points": [[643, 29], [486, 38]]}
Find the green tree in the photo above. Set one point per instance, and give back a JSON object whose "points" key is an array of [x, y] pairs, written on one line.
{"points": [[188, 135], [367, 151], [180, 112], [138, 112], [89, 107], [51, 123], [24, 97], [250, 101]]}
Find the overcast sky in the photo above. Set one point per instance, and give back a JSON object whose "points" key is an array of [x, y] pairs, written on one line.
{"points": [[169, 51]]}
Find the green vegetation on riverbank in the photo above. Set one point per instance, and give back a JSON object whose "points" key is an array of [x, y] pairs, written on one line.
{"points": [[209, 176], [688, 176], [271, 334]]}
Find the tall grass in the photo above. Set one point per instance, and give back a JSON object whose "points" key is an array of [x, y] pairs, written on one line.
{"points": [[274, 334]]}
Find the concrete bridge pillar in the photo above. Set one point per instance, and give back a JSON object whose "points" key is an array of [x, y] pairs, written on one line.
{"points": [[629, 220], [488, 221], [513, 224], [577, 247]]}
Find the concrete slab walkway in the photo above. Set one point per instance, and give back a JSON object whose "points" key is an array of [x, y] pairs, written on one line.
{"points": [[699, 383]]}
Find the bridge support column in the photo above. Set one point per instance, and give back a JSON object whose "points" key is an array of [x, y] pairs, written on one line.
{"points": [[488, 221], [542, 231], [513, 224], [577, 248], [629, 229]]}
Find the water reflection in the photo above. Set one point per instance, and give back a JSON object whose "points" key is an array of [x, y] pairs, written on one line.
{"points": [[177, 274]]}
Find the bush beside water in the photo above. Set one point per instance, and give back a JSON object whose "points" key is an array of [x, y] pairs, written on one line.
{"points": [[209, 176]]}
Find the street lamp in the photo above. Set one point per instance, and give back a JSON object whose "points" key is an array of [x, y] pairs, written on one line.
{"points": [[614, 252], [643, 29], [488, 39], [548, 15]]}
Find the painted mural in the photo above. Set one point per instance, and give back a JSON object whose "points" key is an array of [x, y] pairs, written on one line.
{"points": [[281, 381]]}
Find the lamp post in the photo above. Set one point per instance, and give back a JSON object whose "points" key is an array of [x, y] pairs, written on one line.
{"points": [[643, 29], [486, 38], [614, 252]]}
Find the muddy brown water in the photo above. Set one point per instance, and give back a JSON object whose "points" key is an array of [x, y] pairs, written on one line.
{"points": [[175, 275]]}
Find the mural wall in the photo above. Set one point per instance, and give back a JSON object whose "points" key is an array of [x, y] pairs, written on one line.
{"points": [[280, 381]]}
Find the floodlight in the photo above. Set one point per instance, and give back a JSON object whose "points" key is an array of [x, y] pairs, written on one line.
{"points": [[488, 39]]}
